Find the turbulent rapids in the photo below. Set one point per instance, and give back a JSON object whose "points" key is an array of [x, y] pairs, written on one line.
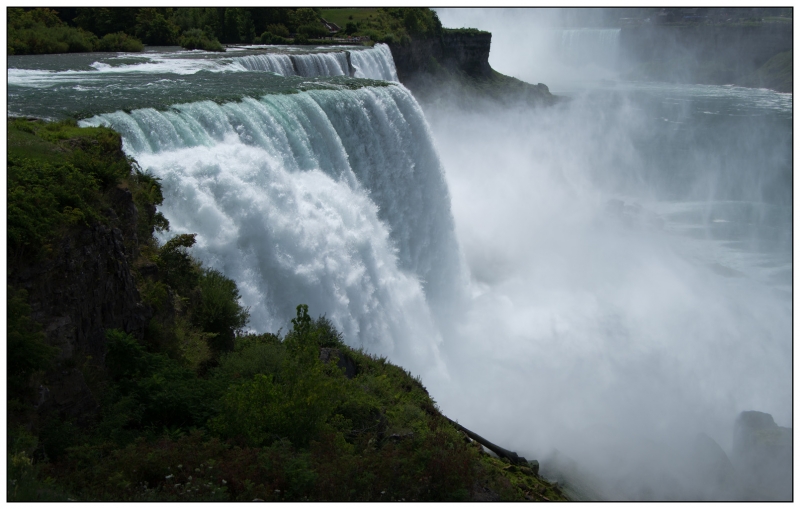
{"points": [[336, 199]]}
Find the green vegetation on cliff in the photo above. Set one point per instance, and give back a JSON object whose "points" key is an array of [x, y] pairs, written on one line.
{"points": [[775, 74], [189, 406], [389, 24]]}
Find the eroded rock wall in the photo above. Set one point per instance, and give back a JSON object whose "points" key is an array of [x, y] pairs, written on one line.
{"points": [[456, 50], [84, 289]]}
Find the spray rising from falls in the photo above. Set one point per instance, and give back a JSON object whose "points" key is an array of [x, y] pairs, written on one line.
{"points": [[333, 198], [584, 46], [374, 63]]}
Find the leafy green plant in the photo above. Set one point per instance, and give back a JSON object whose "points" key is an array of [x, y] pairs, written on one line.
{"points": [[193, 343], [217, 309], [254, 354], [166, 393], [176, 266]]}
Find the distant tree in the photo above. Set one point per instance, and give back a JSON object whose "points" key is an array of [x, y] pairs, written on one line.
{"points": [[154, 28], [350, 28], [313, 31], [278, 29], [304, 16], [103, 20], [245, 26], [204, 18]]}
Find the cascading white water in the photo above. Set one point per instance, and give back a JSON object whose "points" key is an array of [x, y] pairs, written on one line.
{"points": [[376, 63], [335, 199], [321, 64], [268, 62], [372, 63]]}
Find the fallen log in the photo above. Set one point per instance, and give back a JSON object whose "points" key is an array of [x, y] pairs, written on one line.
{"points": [[513, 457]]}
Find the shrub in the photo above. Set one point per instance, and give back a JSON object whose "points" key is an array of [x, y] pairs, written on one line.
{"points": [[154, 390], [294, 405], [147, 194], [120, 41], [313, 31], [41, 40], [42, 198], [176, 266], [218, 310], [198, 39], [278, 29], [193, 344], [270, 38], [254, 354]]}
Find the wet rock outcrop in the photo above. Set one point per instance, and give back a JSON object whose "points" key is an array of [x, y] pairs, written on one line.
{"points": [[762, 453]]}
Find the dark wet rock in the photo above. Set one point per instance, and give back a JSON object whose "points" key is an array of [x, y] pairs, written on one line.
{"points": [[84, 289], [343, 360], [397, 437], [482, 493], [713, 472], [762, 453]]}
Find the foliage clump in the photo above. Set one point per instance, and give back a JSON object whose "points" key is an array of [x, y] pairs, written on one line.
{"points": [[198, 39], [81, 29], [40, 30], [119, 41], [387, 24], [60, 177]]}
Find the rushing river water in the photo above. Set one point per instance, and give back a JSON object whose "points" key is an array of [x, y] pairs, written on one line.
{"points": [[612, 273]]}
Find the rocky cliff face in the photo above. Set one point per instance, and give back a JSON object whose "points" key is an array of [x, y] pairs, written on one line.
{"points": [[762, 451], [464, 51], [455, 67], [86, 288]]}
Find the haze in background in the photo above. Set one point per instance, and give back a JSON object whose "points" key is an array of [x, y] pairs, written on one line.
{"points": [[558, 46], [630, 260]]}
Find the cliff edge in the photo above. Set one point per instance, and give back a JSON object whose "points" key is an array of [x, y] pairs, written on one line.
{"points": [[454, 63]]}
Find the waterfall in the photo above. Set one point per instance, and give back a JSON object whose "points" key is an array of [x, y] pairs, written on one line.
{"points": [[268, 62], [321, 64], [333, 198], [372, 63], [376, 63]]}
